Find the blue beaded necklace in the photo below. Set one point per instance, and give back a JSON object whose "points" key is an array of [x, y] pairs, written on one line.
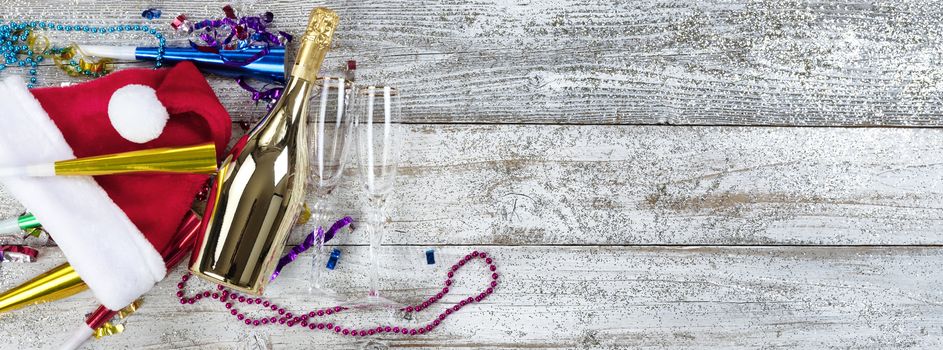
{"points": [[14, 40]]}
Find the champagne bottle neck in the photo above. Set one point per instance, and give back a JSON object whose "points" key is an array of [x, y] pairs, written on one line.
{"points": [[288, 115], [296, 88], [315, 43], [308, 63]]}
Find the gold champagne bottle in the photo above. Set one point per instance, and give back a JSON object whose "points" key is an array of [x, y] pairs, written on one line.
{"points": [[260, 187]]}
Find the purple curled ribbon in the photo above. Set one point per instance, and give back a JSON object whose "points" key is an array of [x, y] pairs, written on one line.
{"points": [[232, 33], [246, 31], [309, 242], [264, 94]]}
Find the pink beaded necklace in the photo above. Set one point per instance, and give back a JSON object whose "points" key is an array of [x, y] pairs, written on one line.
{"points": [[283, 317]]}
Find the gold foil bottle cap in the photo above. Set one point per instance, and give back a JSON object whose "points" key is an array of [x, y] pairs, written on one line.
{"points": [[315, 43]]}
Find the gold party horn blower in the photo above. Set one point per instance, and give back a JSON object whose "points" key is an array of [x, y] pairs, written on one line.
{"points": [[196, 159], [62, 281], [58, 283]]}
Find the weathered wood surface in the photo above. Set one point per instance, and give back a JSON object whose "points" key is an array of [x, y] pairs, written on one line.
{"points": [[537, 184], [579, 297], [617, 62], [612, 236]]}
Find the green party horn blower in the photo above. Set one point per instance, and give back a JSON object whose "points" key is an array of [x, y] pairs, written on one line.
{"points": [[62, 281], [25, 222]]}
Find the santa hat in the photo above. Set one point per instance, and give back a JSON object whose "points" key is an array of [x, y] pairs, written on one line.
{"points": [[110, 228]]}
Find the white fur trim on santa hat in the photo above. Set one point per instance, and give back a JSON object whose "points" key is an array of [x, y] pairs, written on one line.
{"points": [[106, 249], [136, 113]]}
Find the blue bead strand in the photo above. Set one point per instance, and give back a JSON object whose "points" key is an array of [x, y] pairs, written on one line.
{"points": [[14, 36]]}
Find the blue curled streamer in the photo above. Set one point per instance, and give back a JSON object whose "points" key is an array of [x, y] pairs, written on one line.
{"points": [[309, 241]]}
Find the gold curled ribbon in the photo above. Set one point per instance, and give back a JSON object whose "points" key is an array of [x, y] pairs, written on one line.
{"points": [[108, 329], [305, 214], [130, 309], [33, 42], [112, 328], [64, 58], [35, 231], [83, 65], [71, 60]]}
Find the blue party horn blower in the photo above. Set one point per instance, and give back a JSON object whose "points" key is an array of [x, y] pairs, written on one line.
{"points": [[258, 62]]}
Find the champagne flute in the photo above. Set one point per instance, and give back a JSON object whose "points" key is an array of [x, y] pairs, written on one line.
{"points": [[380, 139], [328, 138]]}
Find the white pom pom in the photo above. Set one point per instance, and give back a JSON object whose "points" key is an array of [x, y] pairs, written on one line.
{"points": [[136, 113]]}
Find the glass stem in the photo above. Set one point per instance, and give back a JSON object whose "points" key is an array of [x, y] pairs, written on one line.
{"points": [[318, 217], [375, 225]]}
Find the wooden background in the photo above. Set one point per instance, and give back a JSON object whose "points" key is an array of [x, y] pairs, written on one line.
{"points": [[648, 174]]}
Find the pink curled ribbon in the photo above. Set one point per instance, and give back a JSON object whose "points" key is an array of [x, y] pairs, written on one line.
{"points": [[18, 253], [309, 242]]}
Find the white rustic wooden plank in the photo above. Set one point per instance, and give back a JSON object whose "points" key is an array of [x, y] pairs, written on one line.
{"points": [[663, 185], [525, 185], [639, 297], [640, 62], [647, 62]]}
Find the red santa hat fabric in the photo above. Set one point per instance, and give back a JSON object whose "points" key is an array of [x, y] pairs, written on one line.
{"points": [[111, 228]]}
